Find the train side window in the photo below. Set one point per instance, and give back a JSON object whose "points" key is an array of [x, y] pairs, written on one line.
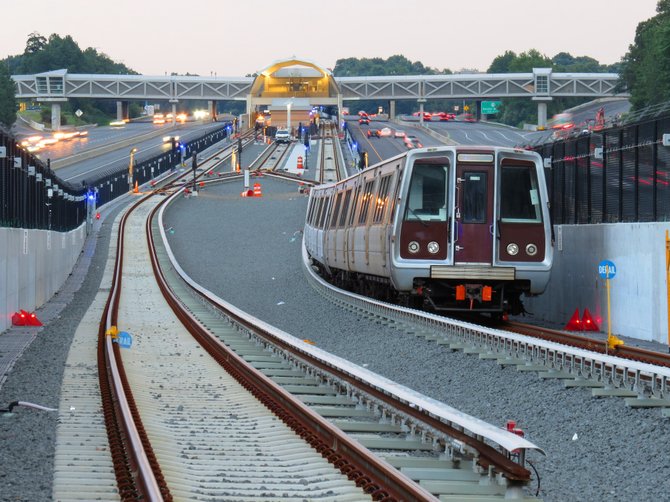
{"points": [[324, 213], [366, 202], [474, 197], [382, 198], [427, 197], [519, 194], [345, 208], [336, 212], [317, 211], [354, 206]]}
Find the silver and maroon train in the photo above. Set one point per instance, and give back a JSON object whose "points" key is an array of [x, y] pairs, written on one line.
{"points": [[450, 228]]}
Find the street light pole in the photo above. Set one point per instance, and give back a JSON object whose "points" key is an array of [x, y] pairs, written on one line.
{"points": [[130, 169]]}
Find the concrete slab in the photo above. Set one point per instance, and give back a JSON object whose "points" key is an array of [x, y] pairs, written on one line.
{"points": [[636, 402], [609, 392]]}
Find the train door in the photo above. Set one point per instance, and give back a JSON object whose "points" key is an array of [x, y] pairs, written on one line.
{"points": [[474, 212]]}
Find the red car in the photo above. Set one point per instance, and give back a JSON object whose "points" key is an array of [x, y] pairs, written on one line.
{"points": [[469, 117], [364, 121], [427, 117]]}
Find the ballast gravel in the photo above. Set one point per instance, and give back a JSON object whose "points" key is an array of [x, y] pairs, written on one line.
{"points": [[247, 251]]}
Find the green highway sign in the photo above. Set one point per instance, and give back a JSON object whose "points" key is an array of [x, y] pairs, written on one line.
{"points": [[490, 107]]}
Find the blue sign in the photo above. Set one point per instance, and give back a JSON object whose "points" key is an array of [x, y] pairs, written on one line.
{"points": [[124, 340], [607, 269]]}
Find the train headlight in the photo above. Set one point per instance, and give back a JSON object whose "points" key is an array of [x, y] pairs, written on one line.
{"points": [[531, 249], [413, 247], [433, 247], [512, 249]]}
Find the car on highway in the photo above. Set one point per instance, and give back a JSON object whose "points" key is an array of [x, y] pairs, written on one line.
{"points": [[283, 136], [412, 142], [364, 120], [373, 133], [399, 134], [386, 132], [469, 117], [426, 116]]}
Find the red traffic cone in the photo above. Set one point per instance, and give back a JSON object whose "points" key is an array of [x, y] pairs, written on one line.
{"points": [[31, 319], [574, 324], [18, 319], [588, 323]]}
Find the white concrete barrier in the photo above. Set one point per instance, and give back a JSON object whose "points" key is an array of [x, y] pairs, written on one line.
{"points": [[34, 264], [638, 294]]}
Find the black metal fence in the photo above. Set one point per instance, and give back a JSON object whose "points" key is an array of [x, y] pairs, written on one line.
{"points": [[32, 196], [615, 175]]}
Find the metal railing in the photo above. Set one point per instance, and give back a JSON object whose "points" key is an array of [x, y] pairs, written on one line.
{"points": [[32, 196]]}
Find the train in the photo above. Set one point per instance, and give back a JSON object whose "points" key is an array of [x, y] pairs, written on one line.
{"points": [[447, 228]]}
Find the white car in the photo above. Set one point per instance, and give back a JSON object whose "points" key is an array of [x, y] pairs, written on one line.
{"points": [[283, 136]]}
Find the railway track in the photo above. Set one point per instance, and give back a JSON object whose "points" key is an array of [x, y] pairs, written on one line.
{"points": [[172, 436], [639, 376], [331, 166]]}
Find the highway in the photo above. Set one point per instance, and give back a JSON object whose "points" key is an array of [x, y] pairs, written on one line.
{"points": [[117, 159]]}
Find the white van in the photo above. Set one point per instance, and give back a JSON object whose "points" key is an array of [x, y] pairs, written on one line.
{"points": [[283, 136]]}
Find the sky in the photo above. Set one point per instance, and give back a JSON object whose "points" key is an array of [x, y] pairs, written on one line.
{"points": [[234, 38]]}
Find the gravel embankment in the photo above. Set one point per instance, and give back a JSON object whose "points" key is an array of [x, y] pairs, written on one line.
{"points": [[27, 436], [247, 251]]}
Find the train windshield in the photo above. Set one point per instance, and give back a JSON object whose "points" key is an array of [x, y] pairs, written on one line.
{"points": [[519, 194], [427, 198]]}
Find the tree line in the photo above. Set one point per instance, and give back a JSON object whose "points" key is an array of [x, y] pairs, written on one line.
{"points": [[644, 72]]}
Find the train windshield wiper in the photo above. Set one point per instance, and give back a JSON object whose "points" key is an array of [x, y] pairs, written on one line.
{"points": [[425, 224]]}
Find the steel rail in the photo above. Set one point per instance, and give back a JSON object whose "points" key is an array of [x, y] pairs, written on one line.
{"points": [[586, 343], [377, 478], [136, 468]]}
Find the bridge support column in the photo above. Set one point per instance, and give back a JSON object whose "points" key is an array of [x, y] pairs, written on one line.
{"points": [[174, 110], [542, 111], [55, 116], [122, 110], [392, 109], [421, 102], [211, 108]]}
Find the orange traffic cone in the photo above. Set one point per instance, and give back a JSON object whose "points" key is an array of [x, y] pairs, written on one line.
{"points": [[257, 190], [136, 189], [574, 324], [588, 323]]}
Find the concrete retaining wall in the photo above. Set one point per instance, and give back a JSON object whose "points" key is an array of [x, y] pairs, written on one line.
{"points": [[638, 294], [34, 264]]}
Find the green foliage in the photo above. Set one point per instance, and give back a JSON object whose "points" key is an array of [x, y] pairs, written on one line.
{"points": [[646, 66], [394, 65], [7, 98], [517, 111], [55, 53]]}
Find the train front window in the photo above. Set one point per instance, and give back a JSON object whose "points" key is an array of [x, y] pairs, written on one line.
{"points": [[427, 197], [474, 197], [519, 194]]}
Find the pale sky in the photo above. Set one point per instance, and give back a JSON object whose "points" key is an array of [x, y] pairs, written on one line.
{"points": [[239, 37]]}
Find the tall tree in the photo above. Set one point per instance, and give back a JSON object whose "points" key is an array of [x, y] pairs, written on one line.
{"points": [[7, 98], [646, 65]]}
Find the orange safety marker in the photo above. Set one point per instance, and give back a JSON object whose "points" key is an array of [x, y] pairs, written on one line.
{"points": [[575, 323], [136, 189], [257, 190], [299, 166], [588, 323]]}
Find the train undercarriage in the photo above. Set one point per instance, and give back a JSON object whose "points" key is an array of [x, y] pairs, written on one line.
{"points": [[498, 298]]}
